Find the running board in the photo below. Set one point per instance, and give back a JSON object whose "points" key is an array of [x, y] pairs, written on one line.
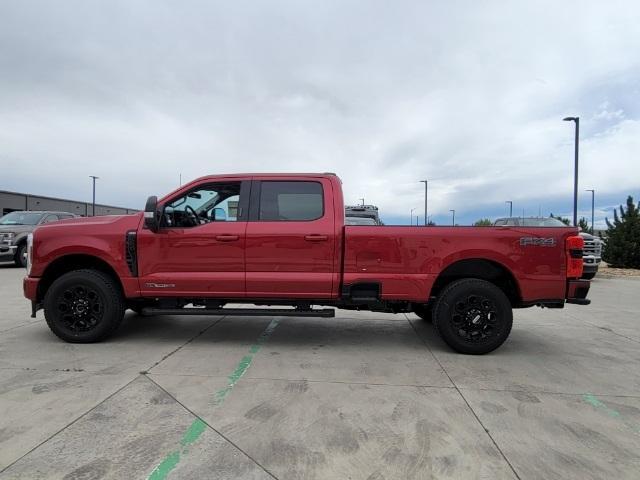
{"points": [[241, 312]]}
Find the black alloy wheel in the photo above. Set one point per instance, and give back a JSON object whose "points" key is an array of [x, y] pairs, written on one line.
{"points": [[84, 306], [473, 316]]}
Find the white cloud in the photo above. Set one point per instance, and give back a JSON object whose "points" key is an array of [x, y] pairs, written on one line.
{"points": [[470, 95]]}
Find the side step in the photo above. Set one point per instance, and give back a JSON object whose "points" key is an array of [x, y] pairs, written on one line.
{"points": [[242, 312]]}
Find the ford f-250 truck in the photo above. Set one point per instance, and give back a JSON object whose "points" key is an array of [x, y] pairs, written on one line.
{"points": [[280, 240]]}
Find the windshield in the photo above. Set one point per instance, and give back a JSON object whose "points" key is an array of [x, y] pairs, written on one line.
{"points": [[21, 218], [359, 221]]}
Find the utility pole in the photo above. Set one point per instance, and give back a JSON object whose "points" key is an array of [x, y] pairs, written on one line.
{"points": [[510, 207], [411, 217], [593, 196], [93, 212], [426, 190], [362, 201], [453, 217], [575, 169]]}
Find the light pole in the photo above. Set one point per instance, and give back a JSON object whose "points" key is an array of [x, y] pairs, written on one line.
{"points": [[426, 189], [453, 218], [362, 201], [593, 196], [411, 217], [510, 207], [575, 171], [93, 211]]}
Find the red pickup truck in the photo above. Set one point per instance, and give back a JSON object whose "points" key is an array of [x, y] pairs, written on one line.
{"points": [[280, 240]]}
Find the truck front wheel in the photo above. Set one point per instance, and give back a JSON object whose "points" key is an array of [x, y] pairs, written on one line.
{"points": [[84, 306], [473, 316]]}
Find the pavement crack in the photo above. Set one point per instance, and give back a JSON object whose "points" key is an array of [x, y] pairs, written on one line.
{"points": [[20, 326], [71, 422], [223, 436], [464, 399], [144, 372]]}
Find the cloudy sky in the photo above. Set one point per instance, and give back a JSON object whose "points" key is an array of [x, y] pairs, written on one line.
{"points": [[469, 95]]}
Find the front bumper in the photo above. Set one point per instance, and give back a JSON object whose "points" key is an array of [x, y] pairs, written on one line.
{"points": [[7, 252], [30, 288], [577, 291]]}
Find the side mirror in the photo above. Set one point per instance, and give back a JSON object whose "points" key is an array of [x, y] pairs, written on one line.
{"points": [[151, 214], [219, 215]]}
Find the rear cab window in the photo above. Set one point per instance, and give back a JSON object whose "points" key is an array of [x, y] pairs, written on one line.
{"points": [[290, 201]]}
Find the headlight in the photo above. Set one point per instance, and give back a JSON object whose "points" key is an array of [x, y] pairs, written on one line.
{"points": [[7, 237], [29, 252]]}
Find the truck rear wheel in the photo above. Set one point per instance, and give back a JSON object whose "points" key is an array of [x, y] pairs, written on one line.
{"points": [[473, 316], [84, 306]]}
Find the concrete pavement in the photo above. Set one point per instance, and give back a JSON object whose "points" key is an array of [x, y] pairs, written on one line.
{"points": [[360, 396]]}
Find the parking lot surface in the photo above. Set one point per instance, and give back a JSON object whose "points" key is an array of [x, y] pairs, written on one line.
{"points": [[360, 396]]}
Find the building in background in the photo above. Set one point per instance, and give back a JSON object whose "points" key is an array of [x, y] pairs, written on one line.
{"points": [[12, 201]]}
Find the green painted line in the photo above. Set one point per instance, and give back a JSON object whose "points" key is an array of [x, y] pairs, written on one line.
{"points": [[162, 470], [198, 427], [594, 402]]}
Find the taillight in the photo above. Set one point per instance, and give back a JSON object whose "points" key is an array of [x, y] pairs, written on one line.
{"points": [[574, 247]]}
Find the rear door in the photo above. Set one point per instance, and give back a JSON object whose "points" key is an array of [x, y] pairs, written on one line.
{"points": [[290, 239]]}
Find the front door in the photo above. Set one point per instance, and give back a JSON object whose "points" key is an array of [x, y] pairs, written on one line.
{"points": [[199, 248]]}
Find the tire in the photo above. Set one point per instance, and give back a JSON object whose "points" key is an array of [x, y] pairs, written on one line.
{"points": [[589, 276], [473, 316], [20, 259], [84, 306], [424, 311]]}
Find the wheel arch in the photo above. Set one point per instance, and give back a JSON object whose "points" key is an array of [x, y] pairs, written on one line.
{"points": [[71, 262], [483, 269]]}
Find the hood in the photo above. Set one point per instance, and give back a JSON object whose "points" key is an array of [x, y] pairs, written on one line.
{"points": [[93, 224], [586, 236], [17, 228]]}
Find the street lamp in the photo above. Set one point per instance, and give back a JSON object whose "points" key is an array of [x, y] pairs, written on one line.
{"points": [[453, 218], [426, 186], [411, 218], [575, 171], [593, 196], [93, 212], [510, 207]]}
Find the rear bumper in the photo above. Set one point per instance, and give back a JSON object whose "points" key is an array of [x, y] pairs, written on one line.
{"points": [[577, 291]]}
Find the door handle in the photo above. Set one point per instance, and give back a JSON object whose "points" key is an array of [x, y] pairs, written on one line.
{"points": [[227, 238], [315, 238]]}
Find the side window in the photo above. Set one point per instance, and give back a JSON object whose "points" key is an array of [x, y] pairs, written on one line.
{"points": [[50, 218], [215, 202], [512, 222], [500, 223], [290, 201]]}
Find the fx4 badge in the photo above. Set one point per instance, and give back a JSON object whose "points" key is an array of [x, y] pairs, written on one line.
{"points": [[537, 242], [160, 285]]}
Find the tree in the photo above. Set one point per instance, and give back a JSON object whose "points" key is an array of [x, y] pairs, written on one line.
{"points": [[566, 221], [584, 225], [483, 222], [622, 247]]}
